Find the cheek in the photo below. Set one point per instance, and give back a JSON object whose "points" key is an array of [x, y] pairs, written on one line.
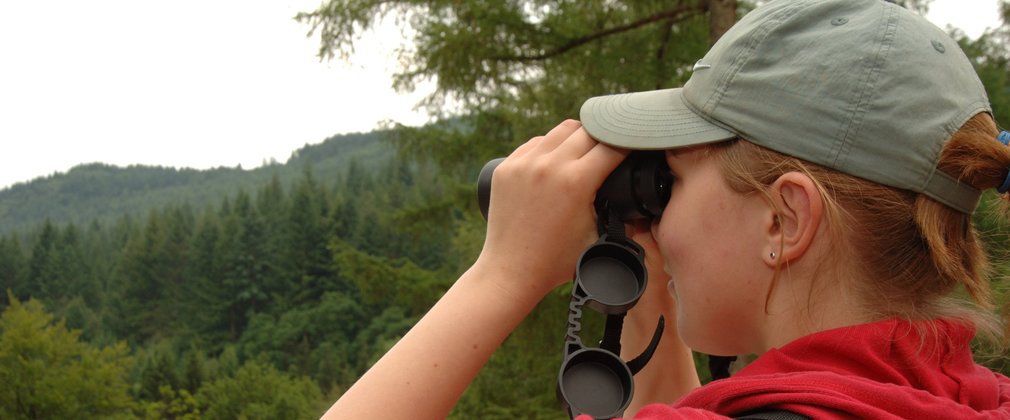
{"points": [[673, 241], [709, 291]]}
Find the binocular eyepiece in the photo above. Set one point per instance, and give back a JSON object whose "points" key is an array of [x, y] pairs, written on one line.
{"points": [[638, 189]]}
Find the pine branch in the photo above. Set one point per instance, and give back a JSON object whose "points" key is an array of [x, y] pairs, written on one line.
{"points": [[670, 16]]}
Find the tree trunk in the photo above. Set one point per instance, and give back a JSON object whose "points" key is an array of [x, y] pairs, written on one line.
{"points": [[721, 15]]}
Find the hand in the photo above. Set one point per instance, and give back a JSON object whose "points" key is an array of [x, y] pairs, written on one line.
{"points": [[541, 216]]}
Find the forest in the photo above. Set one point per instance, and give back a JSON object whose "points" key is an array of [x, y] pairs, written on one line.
{"points": [[159, 293], [296, 285]]}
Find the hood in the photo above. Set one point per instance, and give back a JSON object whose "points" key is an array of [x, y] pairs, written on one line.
{"points": [[887, 369]]}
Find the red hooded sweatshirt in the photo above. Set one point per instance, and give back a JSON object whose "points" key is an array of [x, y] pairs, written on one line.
{"points": [[883, 370]]}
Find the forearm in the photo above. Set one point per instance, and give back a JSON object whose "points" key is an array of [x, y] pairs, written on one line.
{"points": [[425, 373]]}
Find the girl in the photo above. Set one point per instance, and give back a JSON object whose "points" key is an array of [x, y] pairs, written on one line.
{"points": [[827, 158]]}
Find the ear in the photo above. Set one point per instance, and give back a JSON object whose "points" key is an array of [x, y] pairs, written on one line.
{"points": [[796, 218]]}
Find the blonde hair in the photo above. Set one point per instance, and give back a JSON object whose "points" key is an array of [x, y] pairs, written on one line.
{"points": [[914, 253]]}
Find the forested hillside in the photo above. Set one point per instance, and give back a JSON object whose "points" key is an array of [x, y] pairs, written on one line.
{"points": [[101, 192]]}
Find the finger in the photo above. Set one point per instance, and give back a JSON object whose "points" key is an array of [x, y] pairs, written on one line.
{"points": [[557, 135], [576, 145], [526, 147], [603, 159]]}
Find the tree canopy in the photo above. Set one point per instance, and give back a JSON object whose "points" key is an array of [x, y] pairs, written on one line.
{"points": [[49, 372]]}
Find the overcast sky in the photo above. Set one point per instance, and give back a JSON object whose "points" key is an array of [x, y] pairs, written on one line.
{"points": [[202, 84]]}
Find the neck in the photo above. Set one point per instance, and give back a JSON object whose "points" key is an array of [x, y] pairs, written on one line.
{"points": [[806, 300]]}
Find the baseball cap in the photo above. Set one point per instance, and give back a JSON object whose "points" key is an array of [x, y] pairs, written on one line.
{"points": [[865, 87]]}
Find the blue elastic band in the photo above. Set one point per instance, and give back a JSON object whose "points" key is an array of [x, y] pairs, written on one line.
{"points": [[1004, 137]]}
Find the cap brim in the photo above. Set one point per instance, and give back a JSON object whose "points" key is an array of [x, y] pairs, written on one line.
{"points": [[651, 120]]}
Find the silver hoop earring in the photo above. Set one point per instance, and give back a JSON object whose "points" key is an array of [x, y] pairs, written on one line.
{"points": [[772, 254]]}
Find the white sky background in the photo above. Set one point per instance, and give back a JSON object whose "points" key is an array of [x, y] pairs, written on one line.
{"points": [[203, 84]]}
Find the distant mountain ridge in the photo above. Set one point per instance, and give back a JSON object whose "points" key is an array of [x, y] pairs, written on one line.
{"points": [[102, 192]]}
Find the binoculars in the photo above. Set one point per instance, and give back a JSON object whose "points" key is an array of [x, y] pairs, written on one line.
{"points": [[638, 189], [610, 277]]}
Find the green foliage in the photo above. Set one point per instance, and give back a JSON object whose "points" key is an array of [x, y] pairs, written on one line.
{"points": [[13, 266], [154, 275], [516, 68], [198, 294], [399, 283], [157, 367], [308, 257], [990, 54], [487, 53], [170, 404], [259, 391], [48, 372], [381, 333], [994, 230], [310, 338]]}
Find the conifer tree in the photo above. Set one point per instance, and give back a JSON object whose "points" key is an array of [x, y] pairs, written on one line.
{"points": [[12, 267], [309, 260], [43, 273]]}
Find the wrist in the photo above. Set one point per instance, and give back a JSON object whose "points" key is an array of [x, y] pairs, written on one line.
{"points": [[509, 281]]}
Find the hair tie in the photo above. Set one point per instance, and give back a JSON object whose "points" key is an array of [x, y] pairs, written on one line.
{"points": [[1004, 137]]}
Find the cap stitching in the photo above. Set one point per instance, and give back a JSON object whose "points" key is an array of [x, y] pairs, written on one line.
{"points": [[620, 115], [847, 133]]}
